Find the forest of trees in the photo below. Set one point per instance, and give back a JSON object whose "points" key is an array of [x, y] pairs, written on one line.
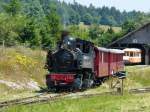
{"points": [[76, 13], [38, 23]]}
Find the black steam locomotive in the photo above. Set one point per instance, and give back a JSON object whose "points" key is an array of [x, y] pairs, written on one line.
{"points": [[71, 64]]}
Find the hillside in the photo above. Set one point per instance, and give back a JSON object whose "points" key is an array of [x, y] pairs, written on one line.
{"points": [[21, 71]]}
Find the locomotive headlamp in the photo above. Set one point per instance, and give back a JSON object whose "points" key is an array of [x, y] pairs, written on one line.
{"points": [[68, 43]]}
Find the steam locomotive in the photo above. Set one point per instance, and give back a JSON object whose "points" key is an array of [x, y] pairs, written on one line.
{"points": [[79, 64]]}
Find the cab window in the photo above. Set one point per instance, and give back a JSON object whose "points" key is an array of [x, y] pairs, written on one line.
{"points": [[86, 48]]}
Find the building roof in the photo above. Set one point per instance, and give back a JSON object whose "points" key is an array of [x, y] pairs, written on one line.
{"points": [[129, 34]]}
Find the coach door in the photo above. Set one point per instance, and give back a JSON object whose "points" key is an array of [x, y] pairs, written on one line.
{"points": [[104, 63]]}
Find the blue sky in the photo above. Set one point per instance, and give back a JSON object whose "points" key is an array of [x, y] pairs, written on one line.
{"points": [[128, 5]]}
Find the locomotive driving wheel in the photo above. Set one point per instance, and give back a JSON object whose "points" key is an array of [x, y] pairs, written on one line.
{"points": [[77, 84], [88, 81]]}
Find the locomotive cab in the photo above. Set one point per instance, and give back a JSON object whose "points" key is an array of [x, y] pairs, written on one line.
{"points": [[88, 53]]}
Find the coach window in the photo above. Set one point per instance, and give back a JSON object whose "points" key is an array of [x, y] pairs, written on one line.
{"points": [[137, 54], [131, 54], [128, 53]]}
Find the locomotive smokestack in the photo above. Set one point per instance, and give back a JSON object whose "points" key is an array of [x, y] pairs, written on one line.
{"points": [[64, 34]]}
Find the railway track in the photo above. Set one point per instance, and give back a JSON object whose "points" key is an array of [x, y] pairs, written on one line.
{"points": [[45, 97], [49, 97], [29, 100], [140, 90]]}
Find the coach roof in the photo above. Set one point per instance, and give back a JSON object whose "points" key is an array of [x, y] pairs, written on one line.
{"points": [[118, 51], [132, 49], [102, 49]]}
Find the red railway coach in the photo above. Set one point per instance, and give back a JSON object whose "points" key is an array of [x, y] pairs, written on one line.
{"points": [[108, 61]]}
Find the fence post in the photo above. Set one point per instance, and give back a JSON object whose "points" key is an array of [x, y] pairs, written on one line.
{"points": [[3, 43], [122, 86], [3, 46]]}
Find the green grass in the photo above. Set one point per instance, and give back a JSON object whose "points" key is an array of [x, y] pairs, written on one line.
{"points": [[103, 27], [139, 74], [109, 103]]}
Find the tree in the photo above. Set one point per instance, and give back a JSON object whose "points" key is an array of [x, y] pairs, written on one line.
{"points": [[87, 19], [13, 8], [27, 33], [79, 31], [128, 26], [110, 30], [11, 27], [54, 21], [33, 32], [35, 11], [95, 31], [88, 15], [105, 20], [74, 18]]}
